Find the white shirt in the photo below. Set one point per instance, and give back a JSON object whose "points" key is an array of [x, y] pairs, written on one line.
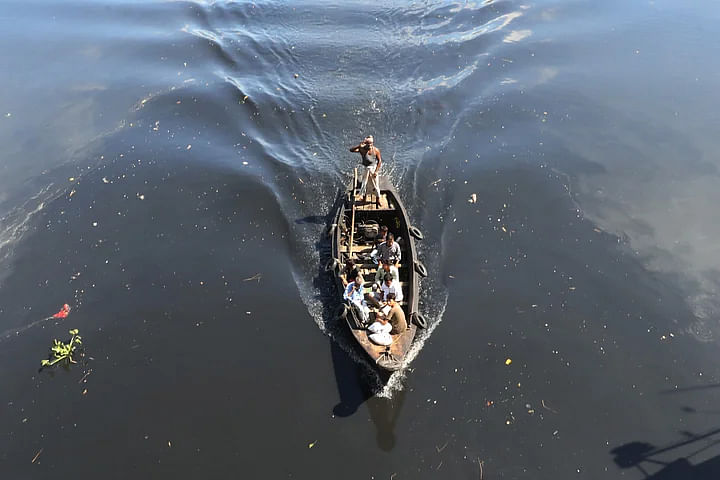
{"points": [[393, 288]]}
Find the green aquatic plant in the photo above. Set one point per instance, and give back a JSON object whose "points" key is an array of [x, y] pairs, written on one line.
{"points": [[63, 351]]}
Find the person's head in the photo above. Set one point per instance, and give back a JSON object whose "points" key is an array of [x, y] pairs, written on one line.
{"points": [[388, 279], [386, 265], [369, 140], [357, 279], [390, 298], [383, 230], [349, 263], [390, 238]]}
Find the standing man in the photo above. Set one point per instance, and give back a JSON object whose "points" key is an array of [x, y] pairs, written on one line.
{"points": [[371, 160]]}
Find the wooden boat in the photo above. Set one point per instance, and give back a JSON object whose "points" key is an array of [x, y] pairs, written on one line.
{"points": [[351, 231]]}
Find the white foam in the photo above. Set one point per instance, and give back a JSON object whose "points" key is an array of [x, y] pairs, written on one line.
{"points": [[16, 222]]}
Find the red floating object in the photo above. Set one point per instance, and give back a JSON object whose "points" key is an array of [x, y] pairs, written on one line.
{"points": [[64, 312]]}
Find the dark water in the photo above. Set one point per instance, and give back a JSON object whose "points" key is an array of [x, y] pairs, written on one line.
{"points": [[166, 173]]}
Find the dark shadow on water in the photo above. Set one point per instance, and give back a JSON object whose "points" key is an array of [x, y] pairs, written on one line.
{"points": [[349, 377], [356, 387], [384, 413], [313, 219], [686, 459], [692, 389]]}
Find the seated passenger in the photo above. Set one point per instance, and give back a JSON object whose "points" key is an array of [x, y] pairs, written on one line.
{"points": [[349, 271], [388, 286], [354, 293], [380, 332], [391, 286], [384, 269], [380, 238], [394, 315], [389, 250]]}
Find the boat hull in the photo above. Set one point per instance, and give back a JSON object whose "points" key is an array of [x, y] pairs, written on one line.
{"points": [[391, 213]]}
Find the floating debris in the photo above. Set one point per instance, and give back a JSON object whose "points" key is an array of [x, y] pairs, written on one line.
{"points": [[63, 313], [311, 445], [63, 351], [473, 198], [37, 455], [508, 361]]}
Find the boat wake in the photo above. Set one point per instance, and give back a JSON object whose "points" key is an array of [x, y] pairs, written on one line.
{"points": [[16, 223]]}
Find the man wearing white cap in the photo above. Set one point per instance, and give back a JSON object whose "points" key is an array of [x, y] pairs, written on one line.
{"points": [[371, 160]]}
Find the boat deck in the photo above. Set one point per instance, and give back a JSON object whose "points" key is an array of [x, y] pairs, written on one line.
{"points": [[362, 205]]}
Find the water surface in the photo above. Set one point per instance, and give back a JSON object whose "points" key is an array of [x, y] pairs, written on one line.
{"points": [[167, 167]]}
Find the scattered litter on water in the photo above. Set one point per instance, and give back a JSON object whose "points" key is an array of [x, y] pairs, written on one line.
{"points": [[546, 407], [257, 277], [473, 198], [37, 455], [311, 445], [508, 361], [188, 147], [105, 180]]}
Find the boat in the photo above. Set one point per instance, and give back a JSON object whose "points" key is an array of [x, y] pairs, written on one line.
{"points": [[352, 230]]}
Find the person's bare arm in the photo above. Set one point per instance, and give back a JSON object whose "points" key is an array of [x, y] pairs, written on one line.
{"points": [[379, 160], [355, 149]]}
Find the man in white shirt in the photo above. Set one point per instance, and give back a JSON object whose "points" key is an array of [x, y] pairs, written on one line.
{"points": [[390, 285], [385, 268], [354, 293]]}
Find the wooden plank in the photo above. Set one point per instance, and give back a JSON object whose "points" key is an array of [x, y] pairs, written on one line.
{"points": [[365, 206], [362, 249], [352, 222]]}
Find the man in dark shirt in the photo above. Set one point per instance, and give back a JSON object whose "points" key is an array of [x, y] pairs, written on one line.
{"points": [[395, 316]]}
